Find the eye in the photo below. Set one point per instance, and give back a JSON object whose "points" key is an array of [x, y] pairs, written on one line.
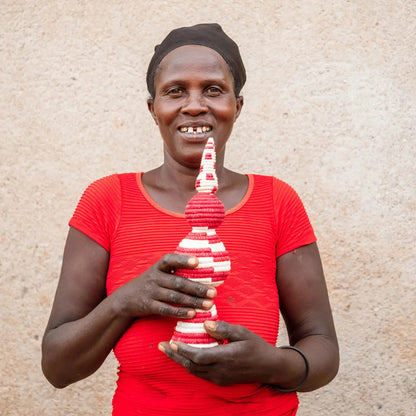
{"points": [[175, 92], [213, 91]]}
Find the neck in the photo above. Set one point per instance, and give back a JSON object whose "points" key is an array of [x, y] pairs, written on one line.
{"points": [[178, 179], [172, 185], [172, 189], [174, 176]]}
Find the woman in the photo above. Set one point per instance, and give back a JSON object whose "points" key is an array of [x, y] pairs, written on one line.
{"points": [[117, 290]]}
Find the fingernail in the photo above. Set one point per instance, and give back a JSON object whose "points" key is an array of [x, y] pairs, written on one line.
{"points": [[192, 261], [211, 293], [191, 313], [161, 347], [207, 304], [211, 325], [174, 346]]}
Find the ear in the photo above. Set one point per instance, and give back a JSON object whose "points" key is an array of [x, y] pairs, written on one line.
{"points": [[151, 107], [238, 106]]}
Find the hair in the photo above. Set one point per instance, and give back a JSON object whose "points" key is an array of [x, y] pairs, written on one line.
{"points": [[210, 35]]}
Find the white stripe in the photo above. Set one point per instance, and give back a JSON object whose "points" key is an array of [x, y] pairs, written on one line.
{"points": [[190, 328], [187, 243], [219, 266], [222, 266], [212, 311], [206, 280], [207, 184], [213, 344], [200, 230], [216, 247], [205, 262]]}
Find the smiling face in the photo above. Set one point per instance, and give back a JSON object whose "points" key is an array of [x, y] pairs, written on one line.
{"points": [[194, 100]]}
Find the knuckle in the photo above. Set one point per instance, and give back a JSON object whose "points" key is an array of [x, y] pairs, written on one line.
{"points": [[147, 286], [180, 313], [165, 261], [196, 303], [179, 283], [146, 304], [150, 292], [189, 366], [201, 290], [174, 297], [163, 310]]}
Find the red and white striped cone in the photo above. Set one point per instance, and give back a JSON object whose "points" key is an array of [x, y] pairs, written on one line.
{"points": [[204, 213]]}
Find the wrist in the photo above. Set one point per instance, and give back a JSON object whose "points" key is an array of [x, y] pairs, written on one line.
{"points": [[119, 306], [293, 371]]}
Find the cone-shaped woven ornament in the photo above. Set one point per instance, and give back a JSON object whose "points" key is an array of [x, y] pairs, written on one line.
{"points": [[204, 213]]}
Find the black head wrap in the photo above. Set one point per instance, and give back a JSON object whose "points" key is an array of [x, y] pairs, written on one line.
{"points": [[205, 34]]}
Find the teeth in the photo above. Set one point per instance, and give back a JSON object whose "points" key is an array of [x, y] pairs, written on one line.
{"points": [[195, 130]]}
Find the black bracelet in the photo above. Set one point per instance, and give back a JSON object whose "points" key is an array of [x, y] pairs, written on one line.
{"points": [[288, 347]]}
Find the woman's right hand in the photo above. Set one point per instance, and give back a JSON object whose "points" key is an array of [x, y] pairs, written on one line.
{"points": [[158, 291], [85, 323]]}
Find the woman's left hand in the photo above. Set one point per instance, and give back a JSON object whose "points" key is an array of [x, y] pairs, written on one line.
{"points": [[248, 358], [245, 358]]}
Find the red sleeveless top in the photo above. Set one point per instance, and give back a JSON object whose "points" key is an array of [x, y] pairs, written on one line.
{"points": [[118, 214]]}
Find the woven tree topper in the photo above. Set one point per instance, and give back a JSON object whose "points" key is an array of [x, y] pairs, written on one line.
{"points": [[204, 213]]}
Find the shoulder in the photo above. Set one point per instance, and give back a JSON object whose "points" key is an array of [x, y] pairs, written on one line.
{"points": [[105, 191], [105, 181], [279, 187], [99, 208], [292, 226], [108, 184], [284, 198]]}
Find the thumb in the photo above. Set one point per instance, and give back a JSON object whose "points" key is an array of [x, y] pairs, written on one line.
{"points": [[223, 330]]}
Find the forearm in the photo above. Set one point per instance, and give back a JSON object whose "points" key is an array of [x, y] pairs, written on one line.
{"points": [[76, 349], [323, 359]]}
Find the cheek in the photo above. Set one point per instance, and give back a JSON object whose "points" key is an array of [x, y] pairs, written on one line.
{"points": [[227, 113], [164, 113]]}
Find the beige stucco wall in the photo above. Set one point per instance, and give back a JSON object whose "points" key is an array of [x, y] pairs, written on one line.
{"points": [[330, 107]]}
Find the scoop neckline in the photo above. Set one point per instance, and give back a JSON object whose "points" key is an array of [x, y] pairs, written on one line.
{"points": [[180, 215]]}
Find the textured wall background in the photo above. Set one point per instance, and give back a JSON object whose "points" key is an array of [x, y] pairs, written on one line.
{"points": [[330, 108]]}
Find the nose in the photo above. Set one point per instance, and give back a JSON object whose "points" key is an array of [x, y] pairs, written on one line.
{"points": [[194, 104]]}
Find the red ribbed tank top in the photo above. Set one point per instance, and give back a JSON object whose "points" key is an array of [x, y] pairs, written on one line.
{"points": [[118, 214]]}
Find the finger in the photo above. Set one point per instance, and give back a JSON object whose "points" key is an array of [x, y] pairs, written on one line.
{"points": [[198, 356], [224, 331], [183, 299], [171, 351], [201, 362], [170, 262], [184, 285], [164, 309]]}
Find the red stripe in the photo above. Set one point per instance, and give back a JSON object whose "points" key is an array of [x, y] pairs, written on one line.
{"points": [[193, 338]]}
